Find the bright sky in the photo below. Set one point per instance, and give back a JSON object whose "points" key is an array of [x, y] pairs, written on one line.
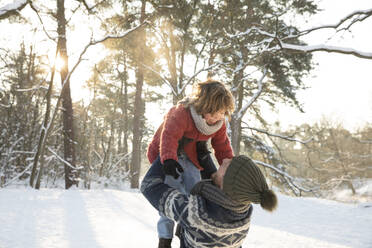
{"points": [[341, 85]]}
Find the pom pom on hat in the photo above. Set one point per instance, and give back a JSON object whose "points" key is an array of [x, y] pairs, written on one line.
{"points": [[269, 200]]}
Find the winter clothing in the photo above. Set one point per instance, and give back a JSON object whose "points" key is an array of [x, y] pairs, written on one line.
{"points": [[180, 127], [184, 183], [172, 167], [244, 181], [177, 140], [208, 190], [205, 160], [206, 220], [165, 243], [201, 123]]}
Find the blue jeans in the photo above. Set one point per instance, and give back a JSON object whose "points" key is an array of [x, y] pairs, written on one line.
{"points": [[184, 183]]}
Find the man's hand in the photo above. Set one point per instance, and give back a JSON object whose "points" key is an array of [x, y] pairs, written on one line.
{"points": [[172, 167], [217, 177]]}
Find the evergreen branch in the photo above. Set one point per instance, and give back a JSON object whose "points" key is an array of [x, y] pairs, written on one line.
{"points": [[162, 78], [197, 73], [244, 109]]}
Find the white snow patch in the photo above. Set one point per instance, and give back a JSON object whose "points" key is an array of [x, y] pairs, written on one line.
{"points": [[54, 218]]}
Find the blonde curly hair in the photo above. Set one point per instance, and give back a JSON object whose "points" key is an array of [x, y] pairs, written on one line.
{"points": [[212, 96]]}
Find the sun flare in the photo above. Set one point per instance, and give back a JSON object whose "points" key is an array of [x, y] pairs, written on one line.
{"points": [[59, 63]]}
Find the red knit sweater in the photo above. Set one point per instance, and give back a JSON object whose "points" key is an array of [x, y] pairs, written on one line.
{"points": [[178, 123]]}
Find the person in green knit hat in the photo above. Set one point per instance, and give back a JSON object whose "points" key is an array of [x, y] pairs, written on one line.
{"points": [[217, 213], [243, 182]]}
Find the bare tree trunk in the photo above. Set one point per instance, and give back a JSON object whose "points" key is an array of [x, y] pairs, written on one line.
{"points": [[138, 109], [236, 121], [124, 108], [68, 129], [172, 65], [126, 122], [43, 136], [42, 139], [91, 142], [235, 125]]}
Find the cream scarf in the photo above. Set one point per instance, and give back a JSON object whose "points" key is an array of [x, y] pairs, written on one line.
{"points": [[202, 125]]}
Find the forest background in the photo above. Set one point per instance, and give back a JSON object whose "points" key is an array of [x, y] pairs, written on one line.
{"points": [[84, 85]]}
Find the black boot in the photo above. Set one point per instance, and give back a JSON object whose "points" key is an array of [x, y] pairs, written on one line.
{"points": [[165, 243]]}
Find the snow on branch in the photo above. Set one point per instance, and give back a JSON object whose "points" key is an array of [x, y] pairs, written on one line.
{"points": [[117, 36], [356, 16], [368, 141], [64, 161], [125, 157], [324, 48], [313, 48], [179, 91], [197, 73], [17, 176], [290, 180], [95, 42], [244, 109], [361, 16], [29, 89], [251, 30], [12, 8], [166, 81], [5, 106]]}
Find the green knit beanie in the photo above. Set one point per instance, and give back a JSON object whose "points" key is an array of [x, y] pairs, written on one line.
{"points": [[245, 183]]}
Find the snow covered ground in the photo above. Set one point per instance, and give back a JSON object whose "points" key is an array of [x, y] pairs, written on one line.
{"points": [[111, 218]]}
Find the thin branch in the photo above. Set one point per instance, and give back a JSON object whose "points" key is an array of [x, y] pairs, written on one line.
{"points": [[367, 13], [64, 161], [5, 106], [278, 135], [283, 174], [18, 176], [162, 78], [244, 109], [324, 48], [41, 21], [98, 155], [116, 37], [122, 158], [90, 7], [368, 141], [197, 73], [308, 49]]}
